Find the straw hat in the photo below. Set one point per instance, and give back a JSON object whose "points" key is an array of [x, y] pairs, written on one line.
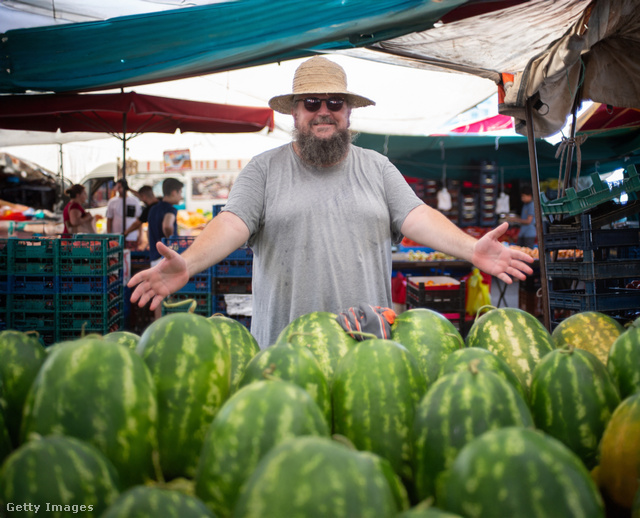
{"points": [[318, 75]]}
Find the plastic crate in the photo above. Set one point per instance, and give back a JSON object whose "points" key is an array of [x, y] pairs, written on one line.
{"points": [[232, 285], [614, 299], [91, 265], [590, 270], [241, 254], [445, 295], [90, 301], [32, 302], [33, 320], [203, 303], [586, 239], [5, 246], [21, 249], [234, 268], [216, 209], [4, 283], [200, 283], [33, 266], [574, 203], [94, 246], [178, 243], [90, 284], [35, 284], [100, 322]]}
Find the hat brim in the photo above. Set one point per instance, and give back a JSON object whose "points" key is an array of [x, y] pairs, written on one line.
{"points": [[284, 103]]}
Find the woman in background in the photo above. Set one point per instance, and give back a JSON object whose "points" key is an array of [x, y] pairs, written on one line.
{"points": [[76, 219]]}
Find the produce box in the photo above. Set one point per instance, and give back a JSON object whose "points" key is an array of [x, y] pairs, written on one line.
{"points": [[440, 293]]}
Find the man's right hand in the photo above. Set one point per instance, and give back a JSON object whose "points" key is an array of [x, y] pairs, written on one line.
{"points": [[157, 283]]}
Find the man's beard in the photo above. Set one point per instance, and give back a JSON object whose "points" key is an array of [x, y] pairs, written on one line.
{"points": [[322, 152]]}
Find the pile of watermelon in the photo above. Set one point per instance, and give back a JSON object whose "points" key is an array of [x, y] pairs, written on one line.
{"points": [[192, 419]]}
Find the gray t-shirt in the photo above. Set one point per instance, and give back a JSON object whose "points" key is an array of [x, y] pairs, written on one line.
{"points": [[321, 237]]}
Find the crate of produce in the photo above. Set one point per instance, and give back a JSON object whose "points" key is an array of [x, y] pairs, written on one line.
{"points": [[21, 249], [612, 299], [241, 254], [232, 285], [33, 266], [32, 302], [586, 239], [95, 246], [101, 322], [203, 303], [90, 301], [178, 243], [91, 265], [440, 293], [594, 270], [34, 284], [234, 268], [4, 283], [199, 283], [90, 284], [5, 246], [574, 203], [33, 320]]}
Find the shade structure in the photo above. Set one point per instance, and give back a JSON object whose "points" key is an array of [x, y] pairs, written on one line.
{"points": [[127, 114]]}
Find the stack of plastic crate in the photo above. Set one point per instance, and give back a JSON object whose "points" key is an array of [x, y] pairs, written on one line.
{"points": [[90, 285], [4, 283], [198, 288], [232, 280], [32, 286]]}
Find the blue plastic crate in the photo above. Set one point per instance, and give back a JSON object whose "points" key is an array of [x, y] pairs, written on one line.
{"points": [[90, 284], [36, 284], [234, 268], [200, 283], [216, 209], [4, 283], [241, 254], [178, 243]]}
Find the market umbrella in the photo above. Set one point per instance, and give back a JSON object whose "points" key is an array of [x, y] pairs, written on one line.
{"points": [[125, 115]]}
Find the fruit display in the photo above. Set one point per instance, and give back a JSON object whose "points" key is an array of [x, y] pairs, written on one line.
{"points": [[191, 418]]}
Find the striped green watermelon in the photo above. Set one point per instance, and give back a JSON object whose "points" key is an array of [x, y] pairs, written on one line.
{"points": [[295, 364], [635, 510], [321, 333], [253, 421], [515, 336], [484, 359], [590, 330], [62, 476], [618, 474], [572, 399], [376, 389], [242, 346], [425, 510], [126, 338], [429, 336], [315, 477], [623, 362], [519, 472], [456, 409], [102, 394], [190, 364], [21, 356], [5, 440], [146, 502]]}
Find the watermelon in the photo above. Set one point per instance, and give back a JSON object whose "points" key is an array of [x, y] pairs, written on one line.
{"points": [[376, 389], [429, 336], [424, 510], [321, 333], [144, 502], [520, 472], [294, 364], [21, 356], [126, 338], [102, 394], [619, 468], [590, 330], [623, 362], [315, 477], [635, 511], [456, 409], [242, 346], [190, 363], [515, 336], [483, 359], [254, 420], [61, 476], [5, 440], [572, 399]]}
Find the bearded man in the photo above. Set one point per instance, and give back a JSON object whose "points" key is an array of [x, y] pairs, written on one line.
{"points": [[320, 215]]}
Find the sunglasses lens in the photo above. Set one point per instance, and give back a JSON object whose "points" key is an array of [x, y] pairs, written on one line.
{"points": [[312, 104]]}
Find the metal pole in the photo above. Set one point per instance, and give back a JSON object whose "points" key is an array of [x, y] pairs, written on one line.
{"points": [[535, 186]]}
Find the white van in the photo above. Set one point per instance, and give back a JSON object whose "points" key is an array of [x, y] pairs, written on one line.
{"points": [[207, 184]]}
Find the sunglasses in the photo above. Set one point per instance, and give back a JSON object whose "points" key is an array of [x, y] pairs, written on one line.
{"points": [[313, 104]]}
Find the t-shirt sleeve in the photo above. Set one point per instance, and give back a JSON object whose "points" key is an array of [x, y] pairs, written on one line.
{"points": [[246, 199], [401, 198], [144, 215]]}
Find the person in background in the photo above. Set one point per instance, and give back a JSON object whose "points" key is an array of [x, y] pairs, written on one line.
{"points": [[77, 220], [527, 219], [163, 223], [146, 196], [320, 215], [114, 215]]}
